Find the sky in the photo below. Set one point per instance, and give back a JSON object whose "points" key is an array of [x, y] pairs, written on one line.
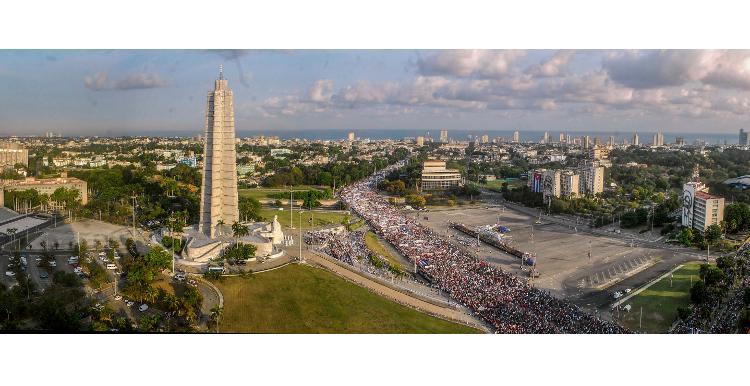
{"points": [[116, 92]]}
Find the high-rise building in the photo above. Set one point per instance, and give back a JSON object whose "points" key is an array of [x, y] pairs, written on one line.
{"points": [[350, 137], [562, 137], [12, 153], [586, 142], [636, 140], [551, 183], [420, 141], [219, 188], [569, 184], [516, 137], [744, 139], [546, 137], [658, 139], [597, 141], [485, 138], [611, 142], [679, 141], [444, 136], [699, 208], [591, 177]]}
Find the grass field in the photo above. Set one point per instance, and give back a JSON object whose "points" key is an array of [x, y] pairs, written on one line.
{"points": [[320, 217], [262, 193], [661, 301], [303, 299], [373, 242]]}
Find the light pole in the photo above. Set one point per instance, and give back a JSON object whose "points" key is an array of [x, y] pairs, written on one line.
{"points": [[301, 259]]}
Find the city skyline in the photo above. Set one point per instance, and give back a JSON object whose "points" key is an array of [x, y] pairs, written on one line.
{"points": [[89, 92]]}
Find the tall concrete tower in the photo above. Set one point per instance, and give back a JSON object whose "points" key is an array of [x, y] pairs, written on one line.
{"points": [[219, 189]]}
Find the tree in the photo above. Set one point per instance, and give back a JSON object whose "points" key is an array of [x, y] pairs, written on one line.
{"points": [[216, 313], [698, 292], [712, 234], [249, 209], [416, 201], [737, 217], [686, 236]]}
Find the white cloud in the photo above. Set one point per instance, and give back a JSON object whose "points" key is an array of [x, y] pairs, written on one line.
{"points": [[665, 68], [556, 65], [470, 63], [321, 91]]}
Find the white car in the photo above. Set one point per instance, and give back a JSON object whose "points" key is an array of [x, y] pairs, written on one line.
{"points": [[129, 303], [143, 307], [627, 290], [179, 277], [111, 266], [52, 263], [618, 295], [37, 259], [102, 254], [118, 297], [10, 273]]}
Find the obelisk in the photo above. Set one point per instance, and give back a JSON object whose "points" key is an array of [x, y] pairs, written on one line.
{"points": [[219, 188]]}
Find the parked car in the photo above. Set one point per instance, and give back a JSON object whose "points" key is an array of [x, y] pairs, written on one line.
{"points": [[52, 263], [143, 307], [43, 275], [10, 273], [179, 277], [618, 295], [111, 266], [118, 297], [129, 303]]}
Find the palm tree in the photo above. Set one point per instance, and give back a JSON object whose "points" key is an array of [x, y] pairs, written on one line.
{"points": [[219, 224], [216, 313]]}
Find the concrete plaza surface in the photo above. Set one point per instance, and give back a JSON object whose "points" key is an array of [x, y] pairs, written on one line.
{"points": [[562, 252]]}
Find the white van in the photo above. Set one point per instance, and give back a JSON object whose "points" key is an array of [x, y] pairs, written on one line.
{"points": [[111, 266], [73, 260]]}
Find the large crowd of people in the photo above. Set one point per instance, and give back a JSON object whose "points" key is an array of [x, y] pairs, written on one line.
{"points": [[499, 298]]}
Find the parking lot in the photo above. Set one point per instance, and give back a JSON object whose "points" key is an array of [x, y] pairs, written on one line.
{"points": [[562, 252]]}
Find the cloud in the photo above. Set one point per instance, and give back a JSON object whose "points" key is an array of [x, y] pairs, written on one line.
{"points": [[136, 81], [321, 91], [668, 68], [556, 65], [469, 63]]}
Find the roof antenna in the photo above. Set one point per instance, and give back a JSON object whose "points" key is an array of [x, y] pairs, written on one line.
{"points": [[221, 72]]}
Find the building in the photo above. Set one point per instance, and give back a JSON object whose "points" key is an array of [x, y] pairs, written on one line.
{"points": [[436, 177], [46, 186], [551, 183], [562, 137], [586, 142], [485, 138], [591, 180], [219, 188], [679, 141], [658, 139], [636, 140], [598, 153], [516, 137], [569, 184], [444, 136], [744, 139], [350, 137], [191, 161], [535, 180], [420, 141], [611, 141], [699, 208], [12, 153], [545, 139], [280, 152]]}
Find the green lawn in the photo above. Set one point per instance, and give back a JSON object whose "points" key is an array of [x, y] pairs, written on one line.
{"points": [[303, 299], [262, 193], [320, 217], [373, 242], [660, 301]]}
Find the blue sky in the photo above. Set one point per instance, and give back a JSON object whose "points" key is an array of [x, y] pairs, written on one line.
{"points": [[148, 91]]}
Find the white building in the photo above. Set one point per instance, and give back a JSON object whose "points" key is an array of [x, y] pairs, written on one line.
{"points": [[436, 177]]}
